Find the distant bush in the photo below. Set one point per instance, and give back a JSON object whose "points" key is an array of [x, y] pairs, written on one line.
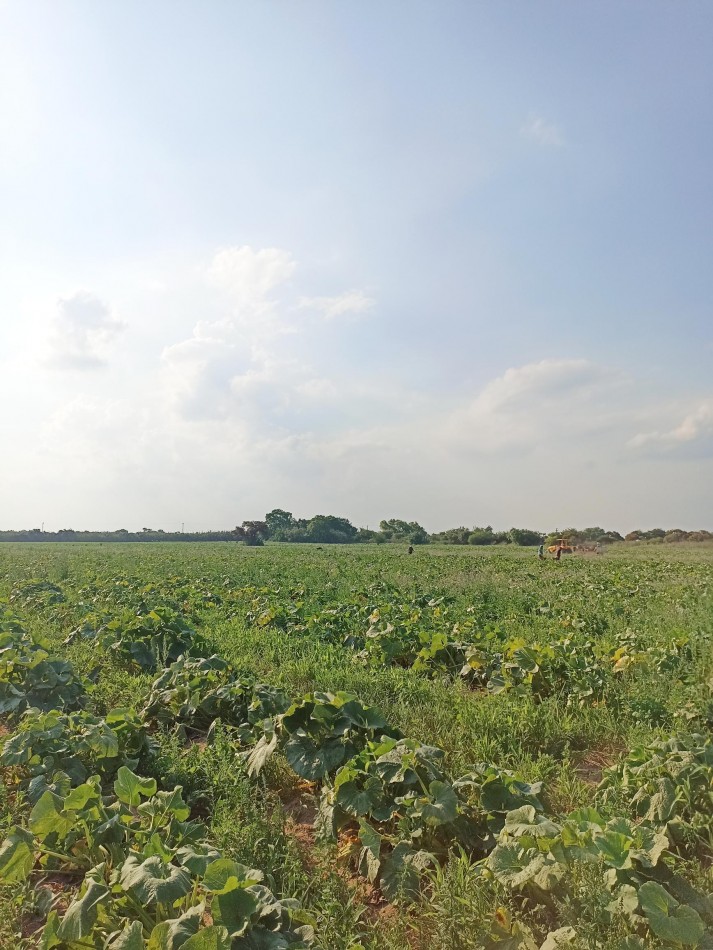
{"points": [[525, 537]]}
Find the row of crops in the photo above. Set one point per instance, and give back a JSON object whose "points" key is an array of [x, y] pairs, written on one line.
{"points": [[137, 871]]}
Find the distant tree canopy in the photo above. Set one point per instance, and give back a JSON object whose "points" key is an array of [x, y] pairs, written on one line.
{"points": [[281, 525], [321, 529], [672, 536], [525, 537], [253, 533], [396, 530], [121, 534], [278, 520], [475, 536], [331, 529]]}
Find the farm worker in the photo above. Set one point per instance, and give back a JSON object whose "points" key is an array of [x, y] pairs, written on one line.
{"points": [[410, 549], [541, 551], [559, 552]]}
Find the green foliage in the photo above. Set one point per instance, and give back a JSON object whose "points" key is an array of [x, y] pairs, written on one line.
{"points": [[36, 594], [409, 814], [539, 858], [318, 733], [394, 529], [30, 675], [149, 873], [491, 655], [148, 641], [56, 750], [525, 537], [669, 782], [197, 692], [252, 533]]}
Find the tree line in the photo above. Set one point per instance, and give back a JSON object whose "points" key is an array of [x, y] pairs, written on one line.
{"points": [[280, 525]]}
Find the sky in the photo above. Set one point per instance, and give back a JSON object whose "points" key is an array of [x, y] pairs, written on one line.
{"points": [[442, 261]]}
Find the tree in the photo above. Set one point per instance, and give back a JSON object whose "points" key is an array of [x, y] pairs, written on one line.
{"points": [[609, 537], [329, 529], [482, 536], [676, 534], [394, 529], [525, 537], [252, 533], [278, 520], [453, 535]]}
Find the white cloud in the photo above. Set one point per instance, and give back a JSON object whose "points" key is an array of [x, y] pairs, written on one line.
{"points": [[82, 331], [249, 276], [253, 365], [532, 405], [692, 435], [351, 301], [262, 402], [539, 130]]}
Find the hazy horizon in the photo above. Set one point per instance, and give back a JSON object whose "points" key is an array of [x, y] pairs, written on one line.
{"points": [[441, 262]]}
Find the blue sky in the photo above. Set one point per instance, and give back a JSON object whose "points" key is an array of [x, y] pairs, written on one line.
{"points": [[444, 261]]}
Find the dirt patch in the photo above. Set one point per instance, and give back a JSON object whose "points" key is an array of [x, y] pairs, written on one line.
{"points": [[63, 890], [299, 804], [590, 766]]}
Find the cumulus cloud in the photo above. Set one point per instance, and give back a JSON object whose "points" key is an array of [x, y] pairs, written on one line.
{"points": [[248, 365], [541, 132], [532, 404], [693, 435], [351, 301], [82, 332], [250, 275]]}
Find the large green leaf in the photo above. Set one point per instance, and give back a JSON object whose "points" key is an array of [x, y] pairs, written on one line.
{"points": [[359, 801], [526, 821], [313, 760], [370, 857], [153, 881], [233, 909], [83, 796], [515, 866], [17, 855], [559, 938], [614, 847], [172, 934], [401, 872], [104, 743], [46, 817], [443, 806], [130, 938], [211, 938], [130, 788], [662, 803], [82, 913], [674, 922], [225, 875], [649, 845]]}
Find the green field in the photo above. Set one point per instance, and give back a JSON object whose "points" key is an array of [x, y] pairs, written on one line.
{"points": [[536, 770]]}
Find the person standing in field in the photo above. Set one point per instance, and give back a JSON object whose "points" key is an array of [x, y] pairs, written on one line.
{"points": [[541, 552], [559, 552]]}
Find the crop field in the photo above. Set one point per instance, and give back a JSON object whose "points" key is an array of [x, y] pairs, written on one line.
{"points": [[211, 746]]}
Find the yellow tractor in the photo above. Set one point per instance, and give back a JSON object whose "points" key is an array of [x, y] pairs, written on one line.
{"points": [[563, 545]]}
